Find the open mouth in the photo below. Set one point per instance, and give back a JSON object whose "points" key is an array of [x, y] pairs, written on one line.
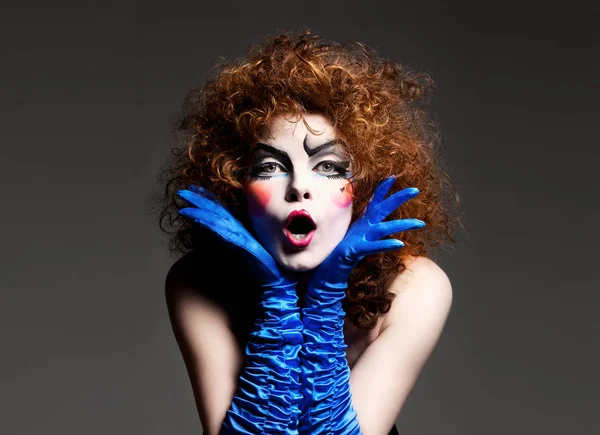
{"points": [[299, 228]]}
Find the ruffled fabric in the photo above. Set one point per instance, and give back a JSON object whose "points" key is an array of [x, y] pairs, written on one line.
{"points": [[268, 395], [327, 403]]}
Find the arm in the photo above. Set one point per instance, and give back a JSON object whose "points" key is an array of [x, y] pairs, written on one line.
{"points": [[208, 346], [390, 366], [268, 392], [213, 362], [267, 395], [327, 404]]}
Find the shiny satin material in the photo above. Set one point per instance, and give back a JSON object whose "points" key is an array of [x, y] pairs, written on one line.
{"points": [[296, 376], [268, 394], [327, 401], [210, 214]]}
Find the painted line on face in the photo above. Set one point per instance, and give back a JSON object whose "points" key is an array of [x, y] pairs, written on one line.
{"points": [[324, 147]]}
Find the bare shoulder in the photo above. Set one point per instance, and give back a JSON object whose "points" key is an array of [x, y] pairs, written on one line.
{"points": [[198, 290], [179, 278], [202, 324], [183, 274], [391, 364], [197, 276], [422, 289], [189, 299]]}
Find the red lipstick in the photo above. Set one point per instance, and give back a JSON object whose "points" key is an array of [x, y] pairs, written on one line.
{"points": [[299, 228]]}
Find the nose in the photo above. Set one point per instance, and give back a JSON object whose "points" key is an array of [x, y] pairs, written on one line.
{"points": [[298, 189]]}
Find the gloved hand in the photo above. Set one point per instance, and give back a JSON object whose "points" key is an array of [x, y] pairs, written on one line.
{"points": [[267, 399], [327, 404]]}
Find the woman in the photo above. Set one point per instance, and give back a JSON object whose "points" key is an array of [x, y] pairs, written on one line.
{"points": [[307, 196]]}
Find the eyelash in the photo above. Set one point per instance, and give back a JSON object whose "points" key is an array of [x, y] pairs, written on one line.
{"points": [[342, 171], [260, 168]]}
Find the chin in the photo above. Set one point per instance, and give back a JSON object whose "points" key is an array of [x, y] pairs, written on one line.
{"points": [[298, 264]]}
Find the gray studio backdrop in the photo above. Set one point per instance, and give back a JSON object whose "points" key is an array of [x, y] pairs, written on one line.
{"points": [[88, 93]]}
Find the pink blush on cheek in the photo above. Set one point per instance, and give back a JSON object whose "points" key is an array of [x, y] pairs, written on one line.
{"points": [[258, 195], [343, 197]]}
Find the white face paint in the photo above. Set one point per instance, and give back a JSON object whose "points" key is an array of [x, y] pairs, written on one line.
{"points": [[295, 170]]}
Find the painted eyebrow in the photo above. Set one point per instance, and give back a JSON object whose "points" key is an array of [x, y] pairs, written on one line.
{"points": [[323, 147], [310, 152], [263, 146]]}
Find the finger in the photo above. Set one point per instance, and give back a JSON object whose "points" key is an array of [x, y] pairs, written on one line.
{"points": [[225, 228], [200, 213], [381, 246], [195, 198], [200, 209], [202, 191], [381, 192], [207, 219], [392, 227], [206, 203], [199, 196], [221, 223], [234, 234], [382, 210]]}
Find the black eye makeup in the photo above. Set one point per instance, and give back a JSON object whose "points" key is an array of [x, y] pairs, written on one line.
{"points": [[268, 162], [333, 170], [267, 170]]}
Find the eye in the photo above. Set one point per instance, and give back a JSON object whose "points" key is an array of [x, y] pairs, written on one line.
{"points": [[332, 169], [268, 167], [327, 166], [267, 170]]}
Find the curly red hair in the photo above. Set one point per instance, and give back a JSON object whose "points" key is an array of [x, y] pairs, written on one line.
{"points": [[375, 106]]}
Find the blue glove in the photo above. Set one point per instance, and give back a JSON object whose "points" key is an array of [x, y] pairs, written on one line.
{"points": [[327, 403], [268, 394]]}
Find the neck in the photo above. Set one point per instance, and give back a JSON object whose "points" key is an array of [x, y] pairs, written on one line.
{"points": [[302, 278]]}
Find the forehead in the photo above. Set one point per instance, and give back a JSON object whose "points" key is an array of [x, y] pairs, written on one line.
{"points": [[314, 129]]}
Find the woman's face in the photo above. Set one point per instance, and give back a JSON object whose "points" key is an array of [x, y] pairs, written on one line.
{"points": [[299, 192]]}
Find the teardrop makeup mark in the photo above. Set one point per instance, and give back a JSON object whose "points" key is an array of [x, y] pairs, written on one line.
{"points": [[258, 195]]}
